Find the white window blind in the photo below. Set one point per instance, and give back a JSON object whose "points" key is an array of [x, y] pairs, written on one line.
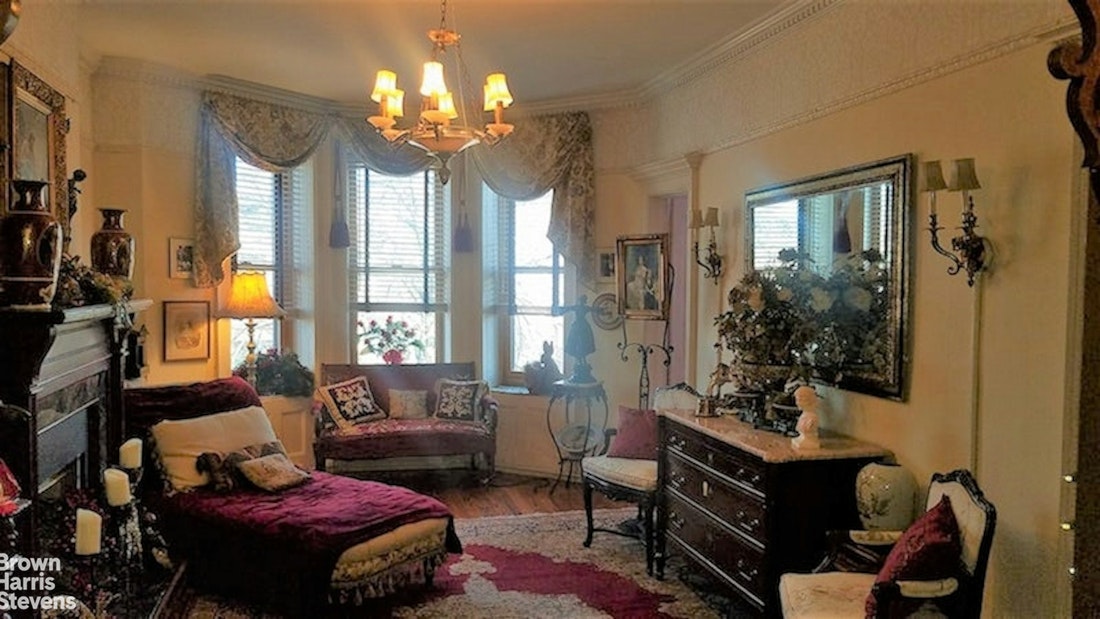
{"points": [[399, 258], [532, 284], [774, 228]]}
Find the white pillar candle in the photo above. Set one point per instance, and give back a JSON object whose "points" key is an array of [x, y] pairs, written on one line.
{"points": [[129, 454], [89, 525], [117, 484]]}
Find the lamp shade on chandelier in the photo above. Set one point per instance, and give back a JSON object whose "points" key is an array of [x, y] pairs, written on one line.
{"points": [[440, 129]]}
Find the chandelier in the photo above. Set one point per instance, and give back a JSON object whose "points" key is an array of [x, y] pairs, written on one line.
{"points": [[436, 131]]}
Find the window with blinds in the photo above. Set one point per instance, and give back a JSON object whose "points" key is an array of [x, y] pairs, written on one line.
{"points": [[532, 283], [774, 228], [270, 228], [399, 258]]}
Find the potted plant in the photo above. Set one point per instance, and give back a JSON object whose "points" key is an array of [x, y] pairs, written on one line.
{"points": [[280, 373], [391, 339]]}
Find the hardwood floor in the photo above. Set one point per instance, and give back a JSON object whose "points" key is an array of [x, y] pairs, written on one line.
{"points": [[507, 495]]}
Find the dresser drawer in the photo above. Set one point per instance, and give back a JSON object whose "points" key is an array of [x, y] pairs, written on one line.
{"points": [[743, 511], [709, 543], [742, 469]]}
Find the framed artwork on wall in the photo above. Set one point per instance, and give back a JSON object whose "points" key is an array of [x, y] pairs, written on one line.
{"points": [[642, 280], [181, 253], [605, 265], [186, 330], [38, 128]]}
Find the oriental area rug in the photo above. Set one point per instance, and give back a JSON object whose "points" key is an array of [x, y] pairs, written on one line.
{"points": [[524, 567]]}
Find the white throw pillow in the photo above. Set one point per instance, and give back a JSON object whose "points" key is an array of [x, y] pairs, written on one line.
{"points": [[179, 443]]}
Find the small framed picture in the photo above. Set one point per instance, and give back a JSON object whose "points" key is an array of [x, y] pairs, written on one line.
{"points": [[641, 276], [186, 330], [181, 258], [605, 265]]}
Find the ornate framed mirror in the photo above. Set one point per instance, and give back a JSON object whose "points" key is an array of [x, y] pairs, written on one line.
{"points": [[38, 128], [857, 215]]}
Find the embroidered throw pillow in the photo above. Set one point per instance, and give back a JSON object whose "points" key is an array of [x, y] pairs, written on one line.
{"points": [[637, 435], [179, 443], [222, 467], [348, 403], [408, 404], [458, 399], [273, 473], [928, 550]]}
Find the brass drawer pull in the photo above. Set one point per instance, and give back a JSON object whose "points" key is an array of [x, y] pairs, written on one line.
{"points": [[675, 520], [749, 575], [706, 489], [748, 525], [677, 480]]}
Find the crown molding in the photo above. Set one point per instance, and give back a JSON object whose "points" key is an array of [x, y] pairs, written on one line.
{"points": [[133, 69], [668, 171], [787, 17], [270, 94], [1056, 30]]}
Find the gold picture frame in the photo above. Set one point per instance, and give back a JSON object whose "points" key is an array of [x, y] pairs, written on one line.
{"points": [[186, 330], [38, 127], [642, 276]]}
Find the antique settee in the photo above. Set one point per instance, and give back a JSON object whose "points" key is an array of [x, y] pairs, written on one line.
{"points": [[437, 409]]}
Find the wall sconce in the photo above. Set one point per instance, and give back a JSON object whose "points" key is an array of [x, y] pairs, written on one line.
{"points": [[712, 263], [967, 249]]}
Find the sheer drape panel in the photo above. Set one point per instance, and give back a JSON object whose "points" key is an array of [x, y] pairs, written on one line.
{"points": [[271, 137], [377, 153], [550, 152]]}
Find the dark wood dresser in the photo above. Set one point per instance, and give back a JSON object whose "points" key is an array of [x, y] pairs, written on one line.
{"points": [[745, 506]]}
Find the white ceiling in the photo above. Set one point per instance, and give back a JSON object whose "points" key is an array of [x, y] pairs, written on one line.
{"points": [[550, 49]]}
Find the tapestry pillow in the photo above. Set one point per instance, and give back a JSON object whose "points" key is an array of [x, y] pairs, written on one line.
{"points": [[458, 399], [273, 473], [222, 467], [179, 443], [408, 404], [637, 435], [928, 550], [348, 403]]}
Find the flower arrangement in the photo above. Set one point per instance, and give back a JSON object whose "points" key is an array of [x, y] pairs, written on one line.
{"points": [[78, 284], [390, 339], [280, 374], [793, 317]]}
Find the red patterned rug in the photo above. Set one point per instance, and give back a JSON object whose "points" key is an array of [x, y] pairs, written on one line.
{"points": [[531, 566]]}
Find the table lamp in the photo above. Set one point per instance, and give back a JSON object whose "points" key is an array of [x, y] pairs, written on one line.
{"points": [[249, 299]]}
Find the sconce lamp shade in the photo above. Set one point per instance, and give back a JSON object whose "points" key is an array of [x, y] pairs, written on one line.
{"points": [[696, 219], [496, 91], [249, 298], [933, 177], [711, 220], [964, 178]]}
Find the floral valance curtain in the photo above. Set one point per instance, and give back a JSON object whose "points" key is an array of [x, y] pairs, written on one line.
{"points": [[271, 137], [550, 152]]}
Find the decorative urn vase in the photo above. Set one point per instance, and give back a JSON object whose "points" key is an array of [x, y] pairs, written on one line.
{"points": [[884, 496], [112, 246], [30, 249]]}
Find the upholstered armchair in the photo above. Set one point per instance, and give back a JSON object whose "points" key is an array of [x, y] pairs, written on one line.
{"points": [[936, 567], [625, 468]]}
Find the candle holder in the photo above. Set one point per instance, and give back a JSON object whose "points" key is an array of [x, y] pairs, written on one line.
{"points": [[968, 250]]}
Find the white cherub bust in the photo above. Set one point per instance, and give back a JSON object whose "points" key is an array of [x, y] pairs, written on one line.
{"points": [[807, 401]]}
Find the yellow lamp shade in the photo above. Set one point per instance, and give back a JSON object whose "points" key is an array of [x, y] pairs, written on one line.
{"points": [[711, 218], [385, 84], [964, 178], [447, 106], [395, 104], [433, 83], [496, 91], [249, 298]]}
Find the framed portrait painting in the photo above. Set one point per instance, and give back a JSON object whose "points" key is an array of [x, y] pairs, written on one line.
{"points": [[38, 128], [181, 258], [642, 276], [605, 265], [186, 330]]}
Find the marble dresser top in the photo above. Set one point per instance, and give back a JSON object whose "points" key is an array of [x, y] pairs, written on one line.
{"points": [[771, 446]]}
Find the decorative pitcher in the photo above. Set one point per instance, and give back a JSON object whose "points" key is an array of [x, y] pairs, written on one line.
{"points": [[884, 495], [113, 247], [30, 249]]}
